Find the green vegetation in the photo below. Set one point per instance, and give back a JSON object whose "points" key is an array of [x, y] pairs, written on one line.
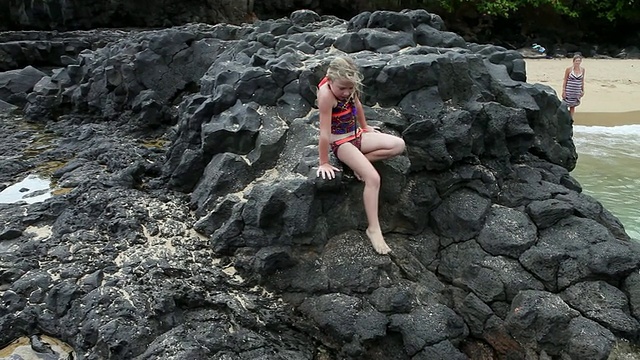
{"points": [[609, 9], [514, 23]]}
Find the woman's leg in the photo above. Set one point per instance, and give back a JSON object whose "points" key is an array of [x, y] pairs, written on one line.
{"points": [[353, 158], [379, 146]]}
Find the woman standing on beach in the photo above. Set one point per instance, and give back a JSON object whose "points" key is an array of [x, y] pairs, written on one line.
{"points": [[573, 84]]}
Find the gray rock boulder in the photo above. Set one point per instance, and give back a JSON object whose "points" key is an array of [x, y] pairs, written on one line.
{"points": [[16, 84]]}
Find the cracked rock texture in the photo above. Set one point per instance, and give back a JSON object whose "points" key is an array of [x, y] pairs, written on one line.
{"points": [[188, 221]]}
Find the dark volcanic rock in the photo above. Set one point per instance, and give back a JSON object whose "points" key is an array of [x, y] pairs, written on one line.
{"points": [[19, 49], [605, 304], [188, 221], [86, 14], [556, 328], [16, 84]]}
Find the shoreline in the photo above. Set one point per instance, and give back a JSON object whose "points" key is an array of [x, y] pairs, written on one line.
{"points": [[612, 88], [606, 118]]}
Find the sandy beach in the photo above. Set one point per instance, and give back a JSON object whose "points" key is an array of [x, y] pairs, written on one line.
{"points": [[612, 88]]}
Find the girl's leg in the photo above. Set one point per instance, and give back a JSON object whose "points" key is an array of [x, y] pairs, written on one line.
{"points": [[353, 158], [572, 109], [379, 146]]}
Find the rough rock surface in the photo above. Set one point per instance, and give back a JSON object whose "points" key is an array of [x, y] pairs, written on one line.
{"points": [[189, 222], [83, 14], [19, 49]]}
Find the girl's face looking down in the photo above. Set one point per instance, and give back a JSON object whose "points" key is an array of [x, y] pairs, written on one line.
{"points": [[342, 89]]}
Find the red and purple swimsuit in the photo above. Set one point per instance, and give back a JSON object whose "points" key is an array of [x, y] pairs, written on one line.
{"points": [[343, 121]]}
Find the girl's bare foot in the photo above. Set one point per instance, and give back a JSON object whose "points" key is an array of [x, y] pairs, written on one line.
{"points": [[379, 245]]}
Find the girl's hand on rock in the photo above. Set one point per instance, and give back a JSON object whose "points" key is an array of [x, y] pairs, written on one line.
{"points": [[327, 171]]}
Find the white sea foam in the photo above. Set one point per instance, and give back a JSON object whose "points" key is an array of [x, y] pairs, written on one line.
{"points": [[621, 140], [608, 130]]}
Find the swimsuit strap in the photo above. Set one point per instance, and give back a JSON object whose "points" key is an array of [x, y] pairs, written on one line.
{"points": [[323, 81]]}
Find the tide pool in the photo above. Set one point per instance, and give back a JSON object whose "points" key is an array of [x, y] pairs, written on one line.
{"points": [[31, 189]]}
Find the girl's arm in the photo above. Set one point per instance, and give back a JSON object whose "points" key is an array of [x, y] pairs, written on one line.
{"points": [[362, 121], [583, 76], [325, 105]]}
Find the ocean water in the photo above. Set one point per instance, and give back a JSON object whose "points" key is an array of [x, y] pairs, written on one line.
{"points": [[609, 170]]}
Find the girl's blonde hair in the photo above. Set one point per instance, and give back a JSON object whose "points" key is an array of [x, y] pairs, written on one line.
{"points": [[344, 68]]}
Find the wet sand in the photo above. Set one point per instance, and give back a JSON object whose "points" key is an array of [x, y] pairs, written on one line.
{"points": [[606, 118], [612, 88]]}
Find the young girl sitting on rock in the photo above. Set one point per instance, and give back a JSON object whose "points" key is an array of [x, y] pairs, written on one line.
{"points": [[344, 128]]}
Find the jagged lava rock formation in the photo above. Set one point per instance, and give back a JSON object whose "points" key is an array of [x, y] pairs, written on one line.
{"points": [[224, 244]]}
